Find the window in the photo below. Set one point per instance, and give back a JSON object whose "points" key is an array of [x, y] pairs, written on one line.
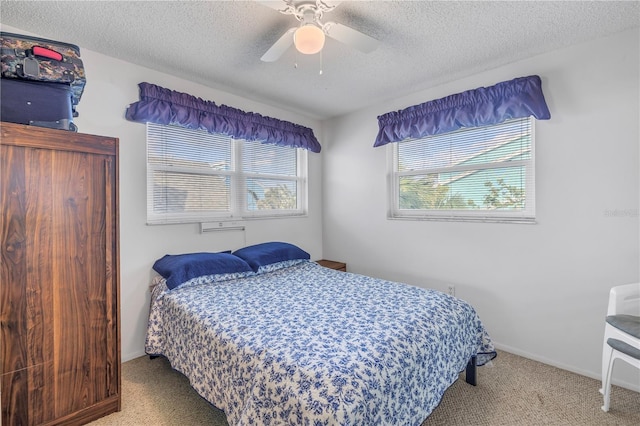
{"points": [[476, 174], [196, 176]]}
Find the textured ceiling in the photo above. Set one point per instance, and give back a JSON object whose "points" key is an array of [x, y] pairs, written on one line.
{"points": [[422, 43]]}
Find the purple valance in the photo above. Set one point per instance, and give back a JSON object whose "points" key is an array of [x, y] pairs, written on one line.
{"points": [[165, 106], [520, 97]]}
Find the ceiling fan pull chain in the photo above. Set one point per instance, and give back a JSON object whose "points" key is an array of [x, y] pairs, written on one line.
{"points": [[320, 73]]}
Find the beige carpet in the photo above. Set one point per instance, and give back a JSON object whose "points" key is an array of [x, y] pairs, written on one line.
{"points": [[514, 391]]}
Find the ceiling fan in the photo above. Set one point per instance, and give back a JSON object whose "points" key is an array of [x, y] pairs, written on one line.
{"points": [[308, 37]]}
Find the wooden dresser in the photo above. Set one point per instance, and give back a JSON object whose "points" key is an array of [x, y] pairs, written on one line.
{"points": [[59, 276]]}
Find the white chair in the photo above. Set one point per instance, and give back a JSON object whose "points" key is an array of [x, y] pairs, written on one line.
{"points": [[621, 333]]}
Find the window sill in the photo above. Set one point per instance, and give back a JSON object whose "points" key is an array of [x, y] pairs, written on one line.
{"points": [[478, 219]]}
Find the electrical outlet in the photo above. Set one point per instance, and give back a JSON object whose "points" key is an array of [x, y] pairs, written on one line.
{"points": [[452, 290]]}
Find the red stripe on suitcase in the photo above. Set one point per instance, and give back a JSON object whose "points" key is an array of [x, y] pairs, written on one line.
{"points": [[46, 53]]}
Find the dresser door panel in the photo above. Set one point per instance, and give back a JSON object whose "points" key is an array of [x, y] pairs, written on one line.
{"points": [[59, 291]]}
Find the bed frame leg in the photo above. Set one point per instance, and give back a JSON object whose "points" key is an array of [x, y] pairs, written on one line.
{"points": [[158, 356], [471, 377]]}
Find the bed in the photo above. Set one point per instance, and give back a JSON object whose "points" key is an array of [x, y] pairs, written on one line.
{"points": [[287, 341]]}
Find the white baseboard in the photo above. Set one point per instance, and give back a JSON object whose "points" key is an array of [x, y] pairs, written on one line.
{"points": [[627, 385], [138, 354]]}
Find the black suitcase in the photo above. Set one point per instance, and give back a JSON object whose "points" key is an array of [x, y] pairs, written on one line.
{"points": [[37, 103], [32, 58]]}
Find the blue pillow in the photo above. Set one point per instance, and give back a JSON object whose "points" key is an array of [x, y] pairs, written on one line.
{"points": [[267, 253], [180, 268]]}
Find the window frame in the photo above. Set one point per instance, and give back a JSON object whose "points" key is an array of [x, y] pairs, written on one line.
{"points": [[525, 216], [237, 196], [300, 179]]}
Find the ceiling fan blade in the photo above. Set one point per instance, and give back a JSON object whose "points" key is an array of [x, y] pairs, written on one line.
{"points": [[283, 6], [278, 5], [327, 5], [351, 37], [280, 46]]}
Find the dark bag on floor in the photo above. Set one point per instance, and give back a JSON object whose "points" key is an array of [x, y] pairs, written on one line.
{"points": [[37, 103], [37, 59]]}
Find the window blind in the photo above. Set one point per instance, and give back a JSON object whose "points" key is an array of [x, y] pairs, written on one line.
{"points": [[188, 174], [196, 176], [483, 173], [271, 178]]}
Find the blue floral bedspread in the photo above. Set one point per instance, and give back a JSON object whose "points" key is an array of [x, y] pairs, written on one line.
{"points": [[307, 345]]}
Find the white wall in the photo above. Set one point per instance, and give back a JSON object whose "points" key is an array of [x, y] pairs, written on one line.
{"points": [[541, 289], [111, 86]]}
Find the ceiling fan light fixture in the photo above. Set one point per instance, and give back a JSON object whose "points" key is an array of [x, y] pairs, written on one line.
{"points": [[308, 39]]}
